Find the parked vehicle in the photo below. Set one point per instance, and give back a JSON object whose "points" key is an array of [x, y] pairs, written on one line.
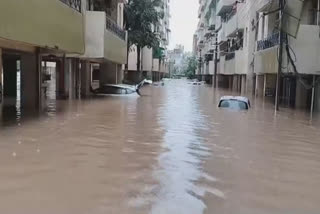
{"points": [[118, 89], [196, 82], [234, 102]]}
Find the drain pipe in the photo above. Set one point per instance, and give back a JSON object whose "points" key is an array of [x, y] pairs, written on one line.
{"points": [[313, 94], [313, 76]]}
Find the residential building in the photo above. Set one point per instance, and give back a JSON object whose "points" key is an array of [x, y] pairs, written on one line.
{"points": [[178, 57], [154, 62], [54, 43], [205, 39], [248, 45]]}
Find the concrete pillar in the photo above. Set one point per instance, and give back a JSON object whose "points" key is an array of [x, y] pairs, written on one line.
{"points": [[317, 99], [67, 74], [10, 76], [230, 84], [120, 74], [235, 83], [259, 85], [264, 84], [1, 80], [243, 84], [270, 84], [85, 78], [60, 78], [108, 73], [70, 78], [30, 85], [1, 85]]}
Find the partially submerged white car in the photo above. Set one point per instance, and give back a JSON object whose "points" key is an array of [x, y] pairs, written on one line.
{"points": [[234, 102], [196, 82], [118, 89]]}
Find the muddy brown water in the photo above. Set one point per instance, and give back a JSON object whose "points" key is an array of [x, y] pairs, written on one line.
{"points": [[171, 151]]}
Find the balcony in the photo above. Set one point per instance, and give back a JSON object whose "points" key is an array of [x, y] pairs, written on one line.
{"points": [[241, 62], [230, 67], [224, 6], [104, 38], [231, 26], [269, 42], [227, 67], [45, 23], [306, 48], [231, 53], [222, 35]]}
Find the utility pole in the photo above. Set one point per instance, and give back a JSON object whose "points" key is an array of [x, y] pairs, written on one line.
{"points": [[281, 37], [215, 63]]}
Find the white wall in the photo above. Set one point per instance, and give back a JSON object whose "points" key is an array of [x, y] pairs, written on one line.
{"points": [[132, 59], [155, 65], [147, 59], [94, 35], [240, 62], [307, 49]]}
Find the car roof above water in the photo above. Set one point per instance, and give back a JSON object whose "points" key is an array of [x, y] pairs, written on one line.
{"points": [[239, 98]]}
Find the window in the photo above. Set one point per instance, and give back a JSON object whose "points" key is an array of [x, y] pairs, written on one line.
{"points": [[233, 104]]}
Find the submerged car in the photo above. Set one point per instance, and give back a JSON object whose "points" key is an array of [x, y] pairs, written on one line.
{"points": [[118, 89], [196, 82], [234, 102]]}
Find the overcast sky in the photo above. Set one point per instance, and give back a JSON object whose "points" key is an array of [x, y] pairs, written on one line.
{"points": [[183, 23]]}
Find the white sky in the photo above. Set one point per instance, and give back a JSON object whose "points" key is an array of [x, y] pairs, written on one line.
{"points": [[183, 22]]}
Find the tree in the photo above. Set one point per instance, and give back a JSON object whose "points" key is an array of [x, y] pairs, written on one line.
{"points": [[192, 64], [142, 16]]}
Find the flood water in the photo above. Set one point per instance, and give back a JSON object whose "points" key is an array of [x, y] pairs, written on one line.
{"points": [[170, 151]]}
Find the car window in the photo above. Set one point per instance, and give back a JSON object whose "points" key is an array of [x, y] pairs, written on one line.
{"points": [[233, 104]]}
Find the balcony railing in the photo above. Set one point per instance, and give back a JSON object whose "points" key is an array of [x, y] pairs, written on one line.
{"points": [[269, 42], [75, 4], [231, 54], [114, 28]]}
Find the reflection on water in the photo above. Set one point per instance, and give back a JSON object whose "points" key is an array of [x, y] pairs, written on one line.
{"points": [[169, 151]]}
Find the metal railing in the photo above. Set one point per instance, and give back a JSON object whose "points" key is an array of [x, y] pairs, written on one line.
{"points": [[269, 42], [231, 53], [114, 28], [230, 56], [75, 4]]}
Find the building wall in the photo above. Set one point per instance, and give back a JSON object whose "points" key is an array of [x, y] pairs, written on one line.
{"points": [[115, 49], [44, 23], [147, 59], [94, 36], [156, 65], [240, 60], [132, 59], [306, 48]]}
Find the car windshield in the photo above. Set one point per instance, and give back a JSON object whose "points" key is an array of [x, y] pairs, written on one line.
{"points": [[233, 104]]}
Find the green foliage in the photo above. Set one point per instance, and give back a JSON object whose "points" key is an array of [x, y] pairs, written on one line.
{"points": [[141, 16], [192, 64]]}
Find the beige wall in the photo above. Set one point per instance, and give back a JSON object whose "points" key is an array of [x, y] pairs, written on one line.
{"points": [[306, 48], [115, 49], [241, 65], [147, 59], [266, 61], [102, 43], [155, 66], [43, 23]]}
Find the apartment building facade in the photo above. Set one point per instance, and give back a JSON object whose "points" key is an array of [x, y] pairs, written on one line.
{"points": [[248, 44], [70, 35], [154, 63]]}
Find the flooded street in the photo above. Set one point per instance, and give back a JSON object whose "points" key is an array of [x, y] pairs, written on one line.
{"points": [[170, 151]]}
